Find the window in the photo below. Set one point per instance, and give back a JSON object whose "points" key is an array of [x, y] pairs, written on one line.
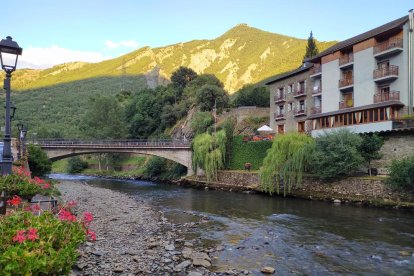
{"points": [[280, 92], [281, 109], [301, 87], [281, 129], [302, 105], [290, 106], [383, 64], [290, 88]]}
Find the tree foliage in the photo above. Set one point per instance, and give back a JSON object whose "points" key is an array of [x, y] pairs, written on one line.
{"points": [[39, 163], [182, 76], [251, 95], [228, 126], [209, 153], [337, 154], [76, 165], [103, 119], [211, 96], [285, 162], [201, 122], [369, 148], [401, 174], [311, 48]]}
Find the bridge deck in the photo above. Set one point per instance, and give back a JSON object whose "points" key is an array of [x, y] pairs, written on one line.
{"points": [[121, 144]]}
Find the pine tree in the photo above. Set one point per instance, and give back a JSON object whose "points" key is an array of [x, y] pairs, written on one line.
{"points": [[311, 48]]}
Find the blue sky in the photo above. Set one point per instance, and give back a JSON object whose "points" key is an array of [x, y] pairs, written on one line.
{"points": [[56, 31]]}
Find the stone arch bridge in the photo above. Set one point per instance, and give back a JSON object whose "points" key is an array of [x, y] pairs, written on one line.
{"points": [[175, 150]]}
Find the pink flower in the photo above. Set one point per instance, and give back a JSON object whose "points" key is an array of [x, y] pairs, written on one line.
{"points": [[38, 180], [87, 217], [20, 237], [91, 234], [32, 234], [46, 186], [35, 207], [16, 200], [66, 215]]}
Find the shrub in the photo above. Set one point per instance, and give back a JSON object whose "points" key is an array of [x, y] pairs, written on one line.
{"points": [[39, 163], [155, 167], [401, 175], [337, 154], [76, 165]]}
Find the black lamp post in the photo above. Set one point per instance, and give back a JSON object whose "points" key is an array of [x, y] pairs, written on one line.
{"points": [[9, 53], [19, 140]]}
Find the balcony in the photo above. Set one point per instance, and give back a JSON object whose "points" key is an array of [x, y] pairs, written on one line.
{"points": [[280, 98], [299, 112], [388, 48], [301, 92], [345, 84], [385, 97], [279, 116], [346, 104], [346, 61], [316, 91], [316, 110], [316, 71], [389, 73]]}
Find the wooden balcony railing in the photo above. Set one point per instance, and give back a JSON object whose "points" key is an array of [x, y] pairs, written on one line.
{"points": [[280, 98], [299, 112], [316, 110], [346, 59], [385, 97], [316, 69], [387, 45], [391, 70], [317, 90], [346, 82], [300, 92], [279, 116], [346, 104]]}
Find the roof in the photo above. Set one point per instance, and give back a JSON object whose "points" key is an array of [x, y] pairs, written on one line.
{"points": [[301, 69], [361, 37]]}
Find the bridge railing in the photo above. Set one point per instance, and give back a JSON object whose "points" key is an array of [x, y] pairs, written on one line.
{"points": [[166, 143]]}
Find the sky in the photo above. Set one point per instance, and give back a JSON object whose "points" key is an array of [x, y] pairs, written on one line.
{"points": [[57, 31]]}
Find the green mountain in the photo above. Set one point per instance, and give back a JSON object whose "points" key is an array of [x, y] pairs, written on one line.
{"points": [[52, 101], [240, 56]]}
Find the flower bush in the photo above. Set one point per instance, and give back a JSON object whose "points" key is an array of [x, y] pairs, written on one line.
{"points": [[33, 242], [20, 183]]}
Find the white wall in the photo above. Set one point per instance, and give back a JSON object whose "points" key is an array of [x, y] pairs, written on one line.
{"points": [[330, 91], [364, 85]]}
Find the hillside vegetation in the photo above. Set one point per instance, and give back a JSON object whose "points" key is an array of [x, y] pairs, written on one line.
{"points": [[242, 55]]}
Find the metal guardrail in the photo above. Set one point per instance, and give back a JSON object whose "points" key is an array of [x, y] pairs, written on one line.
{"points": [[131, 143]]}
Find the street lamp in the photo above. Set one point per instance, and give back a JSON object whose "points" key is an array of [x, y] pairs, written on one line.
{"points": [[9, 53]]}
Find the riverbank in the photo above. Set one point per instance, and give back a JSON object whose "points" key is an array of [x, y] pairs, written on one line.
{"points": [[132, 238], [370, 191]]}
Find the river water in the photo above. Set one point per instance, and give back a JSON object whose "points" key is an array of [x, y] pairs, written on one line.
{"points": [[295, 236]]}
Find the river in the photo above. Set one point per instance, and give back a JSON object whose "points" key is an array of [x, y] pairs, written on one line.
{"points": [[294, 236]]}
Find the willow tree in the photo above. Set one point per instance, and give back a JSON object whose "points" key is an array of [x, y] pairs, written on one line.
{"points": [[209, 152], [286, 162]]}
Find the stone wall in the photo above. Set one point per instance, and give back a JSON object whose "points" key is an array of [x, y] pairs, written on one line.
{"points": [[397, 144], [352, 189]]}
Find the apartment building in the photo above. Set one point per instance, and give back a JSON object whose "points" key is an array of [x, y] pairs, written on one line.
{"points": [[291, 98], [364, 83]]}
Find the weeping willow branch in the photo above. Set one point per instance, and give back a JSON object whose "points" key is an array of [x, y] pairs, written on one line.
{"points": [[286, 162], [209, 152]]}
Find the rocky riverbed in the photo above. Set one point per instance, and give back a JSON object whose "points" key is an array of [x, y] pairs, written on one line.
{"points": [[134, 239]]}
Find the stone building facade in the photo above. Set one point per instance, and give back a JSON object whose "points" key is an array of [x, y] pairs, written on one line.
{"points": [[291, 101]]}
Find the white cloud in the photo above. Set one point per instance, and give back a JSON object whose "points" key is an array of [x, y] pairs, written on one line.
{"points": [[34, 57], [126, 43]]}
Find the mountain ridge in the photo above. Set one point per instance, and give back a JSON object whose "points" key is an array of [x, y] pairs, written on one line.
{"points": [[240, 56]]}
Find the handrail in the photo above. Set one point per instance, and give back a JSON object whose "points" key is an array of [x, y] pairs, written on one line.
{"points": [[112, 143]]}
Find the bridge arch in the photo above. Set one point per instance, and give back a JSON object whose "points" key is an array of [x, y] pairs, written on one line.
{"points": [[176, 151]]}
